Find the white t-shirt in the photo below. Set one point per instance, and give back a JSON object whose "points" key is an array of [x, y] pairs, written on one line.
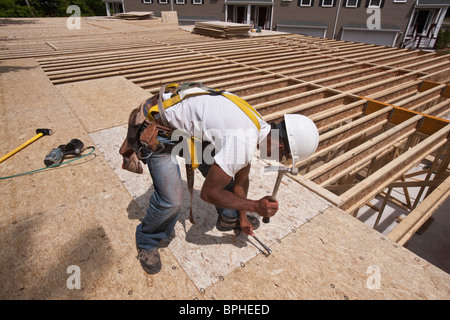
{"points": [[218, 120]]}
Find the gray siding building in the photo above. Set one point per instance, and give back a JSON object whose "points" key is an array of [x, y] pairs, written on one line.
{"points": [[399, 23]]}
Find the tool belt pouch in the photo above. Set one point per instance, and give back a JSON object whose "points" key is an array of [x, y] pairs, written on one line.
{"points": [[141, 141], [132, 163], [149, 138], [130, 145]]}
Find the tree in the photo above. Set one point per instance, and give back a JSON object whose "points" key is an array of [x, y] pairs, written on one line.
{"points": [[443, 39], [49, 8], [447, 37], [440, 41], [14, 8]]}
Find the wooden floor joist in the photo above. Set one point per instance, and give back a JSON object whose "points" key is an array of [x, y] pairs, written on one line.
{"points": [[416, 218]]}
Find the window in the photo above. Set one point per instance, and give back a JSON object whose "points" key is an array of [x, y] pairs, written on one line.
{"points": [[399, 1], [351, 3], [180, 1], [197, 1], [146, 1], [163, 1], [305, 3], [374, 3], [327, 3]]}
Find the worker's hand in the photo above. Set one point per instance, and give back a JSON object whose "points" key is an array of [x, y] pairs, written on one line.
{"points": [[245, 225], [266, 207]]}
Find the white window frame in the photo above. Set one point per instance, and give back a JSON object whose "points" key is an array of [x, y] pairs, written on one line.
{"points": [[180, 1], [400, 1], [147, 1], [327, 5], [373, 5], [197, 2], [350, 6], [163, 1], [305, 5]]}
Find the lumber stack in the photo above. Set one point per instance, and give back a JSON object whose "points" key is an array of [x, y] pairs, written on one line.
{"points": [[135, 15], [220, 29]]}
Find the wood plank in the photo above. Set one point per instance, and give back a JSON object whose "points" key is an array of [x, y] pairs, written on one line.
{"points": [[222, 29], [403, 232], [427, 85], [310, 106], [335, 115], [387, 87], [372, 120], [364, 152], [429, 125], [374, 184], [439, 110], [409, 184]]}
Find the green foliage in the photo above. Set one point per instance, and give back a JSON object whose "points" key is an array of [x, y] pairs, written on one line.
{"points": [[14, 8], [439, 44], [442, 39], [447, 36], [50, 8]]}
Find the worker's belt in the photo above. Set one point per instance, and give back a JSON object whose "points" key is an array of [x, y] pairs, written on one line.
{"points": [[168, 147]]}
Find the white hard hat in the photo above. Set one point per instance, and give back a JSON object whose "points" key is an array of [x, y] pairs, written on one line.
{"points": [[303, 137]]}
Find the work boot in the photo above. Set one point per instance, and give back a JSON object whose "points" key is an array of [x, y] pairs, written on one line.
{"points": [[150, 260], [226, 224]]}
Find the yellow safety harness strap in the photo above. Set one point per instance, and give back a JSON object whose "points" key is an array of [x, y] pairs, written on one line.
{"points": [[170, 102], [241, 103], [245, 107]]}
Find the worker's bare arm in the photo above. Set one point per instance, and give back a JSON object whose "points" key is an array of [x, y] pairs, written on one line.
{"points": [[214, 193], [240, 189]]}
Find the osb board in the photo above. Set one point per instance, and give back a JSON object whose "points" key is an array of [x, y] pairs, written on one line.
{"points": [[206, 254], [169, 17], [25, 196], [29, 101], [102, 103], [24, 86], [77, 214], [334, 256], [94, 234]]}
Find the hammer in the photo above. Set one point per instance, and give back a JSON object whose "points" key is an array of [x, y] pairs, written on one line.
{"points": [[281, 171], [39, 133]]}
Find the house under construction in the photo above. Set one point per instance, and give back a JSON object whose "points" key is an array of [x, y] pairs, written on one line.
{"points": [[382, 124]]}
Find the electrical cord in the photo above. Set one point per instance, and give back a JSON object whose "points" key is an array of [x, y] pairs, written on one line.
{"points": [[52, 166]]}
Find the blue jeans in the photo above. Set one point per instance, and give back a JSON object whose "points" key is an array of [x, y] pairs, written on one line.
{"points": [[166, 201]]}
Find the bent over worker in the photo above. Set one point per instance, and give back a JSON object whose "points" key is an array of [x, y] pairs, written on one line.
{"points": [[235, 131]]}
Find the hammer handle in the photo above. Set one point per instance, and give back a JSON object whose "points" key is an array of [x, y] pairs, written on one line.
{"points": [[23, 145], [274, 192]]}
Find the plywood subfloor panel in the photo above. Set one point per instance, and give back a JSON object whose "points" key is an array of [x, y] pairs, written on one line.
{"points": [[22, 113], [94, 234], [102, 103], [77, 214], [334, 256], [205, 253], [24, 86]]}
